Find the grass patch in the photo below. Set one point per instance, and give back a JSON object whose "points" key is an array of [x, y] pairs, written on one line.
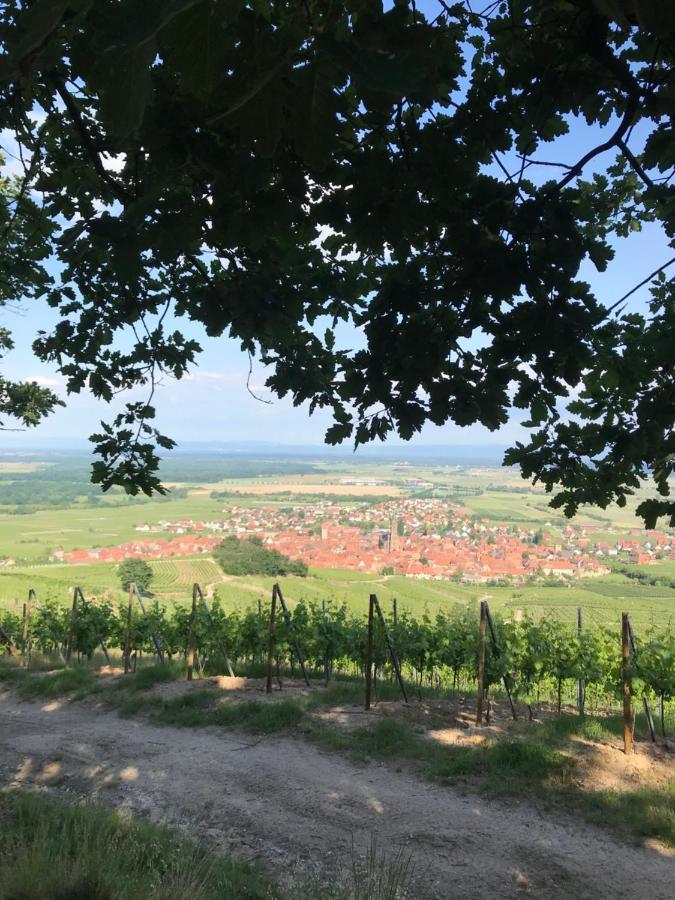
{"points": [[133, 705], [338, 694], [380, 875], [388, 739], [560, 731], [77, 680], [201, 708], [148, 676], [81, 681], [502, 767], [52, 851], [642, 813], [11, 674], [194, 708], [593, 728], [261, 718], [497, 766]]}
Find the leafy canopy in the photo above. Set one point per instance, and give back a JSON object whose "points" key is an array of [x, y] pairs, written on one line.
{"points": [[135, 571], [21, 259], [250, 557], [272, 169]]}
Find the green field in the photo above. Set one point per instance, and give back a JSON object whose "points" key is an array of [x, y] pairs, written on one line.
{"points": [[665, 568], [499, 495], [32, 536], [601, 600], [173, 580]]}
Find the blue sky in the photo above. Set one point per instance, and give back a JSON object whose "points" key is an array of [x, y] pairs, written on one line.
{"points": [[213, 402]]}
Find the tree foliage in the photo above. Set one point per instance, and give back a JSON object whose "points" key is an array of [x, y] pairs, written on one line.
{"points": [[249, 557], [23, 402], [135, 571], [272, 169]]}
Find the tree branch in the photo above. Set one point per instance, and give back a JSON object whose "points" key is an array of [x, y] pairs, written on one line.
{"points": [[248, 381], [641, 284], [613, 141], [117, 189], [543, 162], [628, 153]]}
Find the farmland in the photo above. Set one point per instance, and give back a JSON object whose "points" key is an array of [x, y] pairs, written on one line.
{"points": [[208, 489], [422, 748], [600, 599]]}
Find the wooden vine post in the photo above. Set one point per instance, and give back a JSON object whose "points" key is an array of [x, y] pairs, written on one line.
{"points": [[8, 642], [390, 646], [497, 650], [191, 637], [581, 684], [127, 630], [272, 640], [369, 650], [26, 625], [70, 637], [481, 662], [625, 673], [645, 702], [326, 661]]}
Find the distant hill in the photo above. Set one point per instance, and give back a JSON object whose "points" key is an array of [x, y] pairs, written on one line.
{"points": [[431, 454]]}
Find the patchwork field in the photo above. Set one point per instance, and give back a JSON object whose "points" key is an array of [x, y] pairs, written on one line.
{"points": [[173, 580], [307, 487], [32, 537], [28, 536], [601, 600]]}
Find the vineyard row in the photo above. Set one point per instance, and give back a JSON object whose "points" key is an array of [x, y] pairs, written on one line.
{"points": [[535, 660]]}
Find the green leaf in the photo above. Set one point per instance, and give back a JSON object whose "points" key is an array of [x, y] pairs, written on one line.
{"points": [[124, 80], [196, 46], [261, 121], [377, 71], [337, 433], [38, 21], [315, 122]]}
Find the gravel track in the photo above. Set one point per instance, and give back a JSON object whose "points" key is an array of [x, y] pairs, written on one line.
{"points": [[300, 811]]}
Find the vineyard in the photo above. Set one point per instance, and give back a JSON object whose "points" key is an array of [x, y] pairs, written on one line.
{"points": [[535, 661], [600, 598], [176, 574]]}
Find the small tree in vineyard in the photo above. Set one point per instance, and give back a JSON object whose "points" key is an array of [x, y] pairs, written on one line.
{"points": [[135, 571]]}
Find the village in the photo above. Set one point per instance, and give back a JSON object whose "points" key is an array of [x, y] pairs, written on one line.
{"points": [[417, 537]]}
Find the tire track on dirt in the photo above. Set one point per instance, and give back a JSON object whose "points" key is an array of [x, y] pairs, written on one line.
{"points": [[301, 810]]}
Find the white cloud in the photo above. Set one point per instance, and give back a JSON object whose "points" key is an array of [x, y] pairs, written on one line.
{"points": [[231, 377], [46, 382]]}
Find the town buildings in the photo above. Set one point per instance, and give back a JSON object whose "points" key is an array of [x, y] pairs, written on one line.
{"points": [[414, 536]]}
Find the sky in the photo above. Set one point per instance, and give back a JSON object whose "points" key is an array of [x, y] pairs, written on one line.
{"points": [[213, 403]]}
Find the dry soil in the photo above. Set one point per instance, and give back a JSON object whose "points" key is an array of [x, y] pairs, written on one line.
{"points": [[301, 811]]}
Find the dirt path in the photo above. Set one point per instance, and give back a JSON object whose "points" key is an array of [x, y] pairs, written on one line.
{"points": [[296, 808]]}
